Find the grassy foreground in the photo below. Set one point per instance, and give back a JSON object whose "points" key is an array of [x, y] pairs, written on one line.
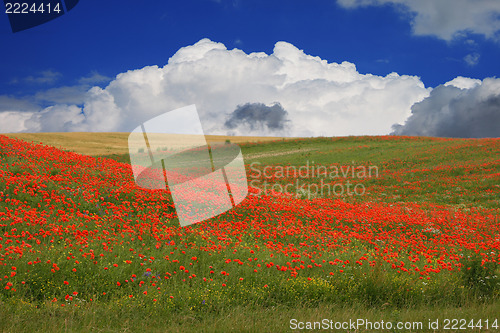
{"points": [[84, 249], [114, 318]]}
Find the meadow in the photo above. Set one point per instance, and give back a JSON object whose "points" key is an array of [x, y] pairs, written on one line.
{"points": [[83, 248]]}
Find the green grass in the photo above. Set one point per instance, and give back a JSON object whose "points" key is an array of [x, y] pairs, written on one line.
{"points": [[115, 317]]}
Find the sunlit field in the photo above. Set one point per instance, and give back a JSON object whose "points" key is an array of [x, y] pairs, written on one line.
{"points": [[82, 247]]}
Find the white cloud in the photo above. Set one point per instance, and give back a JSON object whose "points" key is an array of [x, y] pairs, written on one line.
{"points": [[319, 98], [58, 118], [463, 82], [15, 121], [445, 19]]}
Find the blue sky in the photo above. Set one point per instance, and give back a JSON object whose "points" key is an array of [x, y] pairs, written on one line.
{"points": [[98, 40]]}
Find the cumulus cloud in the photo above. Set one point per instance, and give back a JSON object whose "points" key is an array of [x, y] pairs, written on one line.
{"points": [[12, 122], [258, 116], [445, 19], [462, 108], [58, 118], [320, 98], [463, 82]]}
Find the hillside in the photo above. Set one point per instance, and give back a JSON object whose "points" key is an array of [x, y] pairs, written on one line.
{"points": [[76, 232]]}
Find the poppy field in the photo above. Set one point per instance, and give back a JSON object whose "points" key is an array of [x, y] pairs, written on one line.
{"points": [[424, 230]]}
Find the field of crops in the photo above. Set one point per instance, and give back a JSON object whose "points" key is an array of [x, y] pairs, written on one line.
{"points": [[421, 231]]}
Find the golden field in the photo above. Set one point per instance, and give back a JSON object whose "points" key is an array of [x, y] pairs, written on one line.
{"points": [[104, 143]]}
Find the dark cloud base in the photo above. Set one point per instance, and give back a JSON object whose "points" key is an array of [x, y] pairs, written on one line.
{"points": [[258, 116], [456, 113]]}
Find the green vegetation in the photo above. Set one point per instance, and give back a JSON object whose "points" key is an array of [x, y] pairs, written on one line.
{"points": [[115, 317]]}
